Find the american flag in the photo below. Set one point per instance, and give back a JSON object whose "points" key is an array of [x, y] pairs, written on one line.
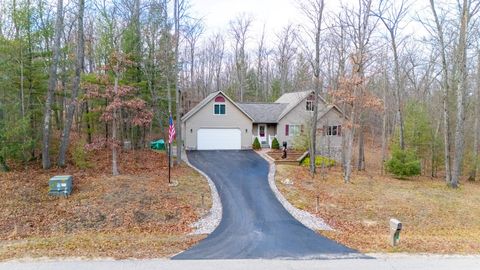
{"points": [[171, 130]]}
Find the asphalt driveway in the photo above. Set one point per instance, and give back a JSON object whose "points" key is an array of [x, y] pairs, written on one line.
{"points": [[254, 224]]}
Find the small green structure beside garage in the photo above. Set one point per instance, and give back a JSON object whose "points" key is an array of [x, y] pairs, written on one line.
{"points": [[158, 145]]}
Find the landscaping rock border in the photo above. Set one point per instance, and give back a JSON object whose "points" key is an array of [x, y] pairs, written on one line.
{"points": [[308, 220], [211, 220]]}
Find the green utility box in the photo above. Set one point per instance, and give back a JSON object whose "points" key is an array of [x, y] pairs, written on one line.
{"points": [[60, 185], [158, 145]]}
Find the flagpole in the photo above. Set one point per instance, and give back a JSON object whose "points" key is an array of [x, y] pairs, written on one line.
{"points": [[171, 134], [169, 160]]}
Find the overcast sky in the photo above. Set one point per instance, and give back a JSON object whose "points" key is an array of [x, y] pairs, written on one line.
{"points": [[274, 14]]}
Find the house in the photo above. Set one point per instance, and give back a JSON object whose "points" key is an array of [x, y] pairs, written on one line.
{"points": [[218, 122]]}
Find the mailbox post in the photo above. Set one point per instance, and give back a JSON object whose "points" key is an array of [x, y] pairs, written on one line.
{"points": [[395, 228]]}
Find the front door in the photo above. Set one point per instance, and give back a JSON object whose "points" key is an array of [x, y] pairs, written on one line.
{"points": [[262, 133]]}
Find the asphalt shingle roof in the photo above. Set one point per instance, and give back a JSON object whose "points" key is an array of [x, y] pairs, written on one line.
{"points": [[263, 112]]}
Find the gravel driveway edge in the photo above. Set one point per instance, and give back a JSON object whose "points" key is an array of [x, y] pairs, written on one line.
{"points": [[209, 221], [308, 220]]}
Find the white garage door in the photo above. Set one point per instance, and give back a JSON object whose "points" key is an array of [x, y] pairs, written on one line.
{"points": [[219, 139]]}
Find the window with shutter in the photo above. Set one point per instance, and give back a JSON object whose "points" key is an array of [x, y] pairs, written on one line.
{"points": [[293, 130], [286, 130]]}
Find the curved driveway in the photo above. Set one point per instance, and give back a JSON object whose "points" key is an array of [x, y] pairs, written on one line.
{"points": [[254, 224]]}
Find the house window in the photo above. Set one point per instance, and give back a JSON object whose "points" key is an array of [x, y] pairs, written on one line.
{"points": [[310, 106], [219, 106], [334, 130], [219, 109], [294, 130]]}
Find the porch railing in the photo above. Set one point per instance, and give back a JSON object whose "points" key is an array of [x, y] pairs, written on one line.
{"points": [[270, 140]]}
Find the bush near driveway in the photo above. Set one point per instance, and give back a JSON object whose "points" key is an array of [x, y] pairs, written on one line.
{"points": [[256, 144], [275, 144]]}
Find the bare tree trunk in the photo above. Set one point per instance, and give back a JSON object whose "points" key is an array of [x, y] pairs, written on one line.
{"points": [[361, 145], [384, 123], [434, 150], [476, 125], [313, 139], [114, 127], [313, 10], [349, 135], [397, 90], [391, 20], [76, 87], [461, 90], [474, 169], [22, 77], [178, 127], [260, 60], [445, 86], [52, 83], [239, 28], [62, 99]]}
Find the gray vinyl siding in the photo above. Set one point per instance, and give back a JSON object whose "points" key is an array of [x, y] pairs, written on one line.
{"points": [[330, 119], [300, 116], [205, 118], [297, 116]]}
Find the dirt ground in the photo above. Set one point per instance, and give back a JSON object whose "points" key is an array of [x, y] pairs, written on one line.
{"points": [[436, 219], [136, 214]]}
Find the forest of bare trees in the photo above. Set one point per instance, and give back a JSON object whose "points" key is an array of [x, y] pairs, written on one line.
{"points": [[94, 73]]}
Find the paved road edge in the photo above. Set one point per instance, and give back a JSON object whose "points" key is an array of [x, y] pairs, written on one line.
{"points": [[405, 263]]}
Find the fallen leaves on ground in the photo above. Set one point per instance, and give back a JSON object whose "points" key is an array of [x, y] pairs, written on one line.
{"points": [[436, 219], [136, 214]]}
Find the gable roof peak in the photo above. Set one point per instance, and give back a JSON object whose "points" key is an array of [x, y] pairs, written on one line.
{"points": [[293, 99], [207, 99]]}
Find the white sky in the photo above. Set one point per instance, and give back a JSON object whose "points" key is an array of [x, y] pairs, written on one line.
{"points": [[274, 14]]}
